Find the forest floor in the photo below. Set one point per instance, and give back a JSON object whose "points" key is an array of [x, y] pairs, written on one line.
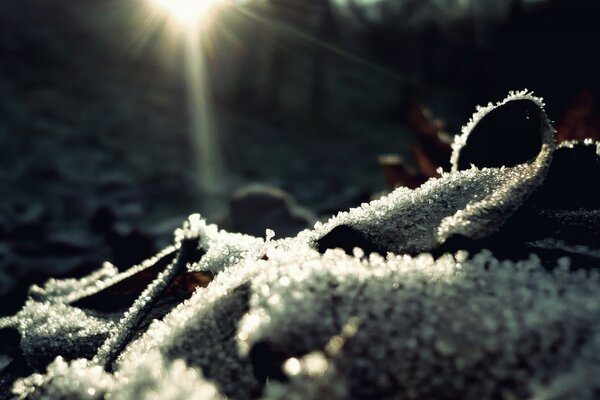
{"points": [[95, 150]]}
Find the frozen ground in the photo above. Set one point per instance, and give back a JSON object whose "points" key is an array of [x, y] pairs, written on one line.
{"points": [[480, 284]]}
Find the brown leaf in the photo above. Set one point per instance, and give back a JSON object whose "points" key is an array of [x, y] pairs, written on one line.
{"points": [[581, 120], [431, 151], [122, 294], [398, 174], [186, 283]]}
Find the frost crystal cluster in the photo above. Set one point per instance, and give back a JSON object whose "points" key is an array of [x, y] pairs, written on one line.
{"points": [[481, 284]]}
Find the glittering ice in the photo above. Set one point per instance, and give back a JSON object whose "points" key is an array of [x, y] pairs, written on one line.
{"points": [[447, 328], [474, 202], [81, 379], [280, 320]]}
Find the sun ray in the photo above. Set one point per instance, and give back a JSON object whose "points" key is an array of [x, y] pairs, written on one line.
{"points": [[309, 39], [148, 28], [189, 13]]}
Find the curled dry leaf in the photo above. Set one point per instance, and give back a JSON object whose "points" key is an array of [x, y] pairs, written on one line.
{"points": [[431, 151]]}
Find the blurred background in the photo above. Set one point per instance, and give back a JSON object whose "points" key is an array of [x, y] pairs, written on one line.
{"points": [[118, 117]]}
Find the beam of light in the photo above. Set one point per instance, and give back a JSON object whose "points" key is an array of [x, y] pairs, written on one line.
{"points": [[202, 127], [189, 12], [309, 39], [193, 17]]}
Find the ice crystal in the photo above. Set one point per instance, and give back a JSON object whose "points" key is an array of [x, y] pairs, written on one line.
{"points": [[446, 328], [70, 290], [50, 329], [81, 379], [131, 319], [281, 320], [473, 202]]}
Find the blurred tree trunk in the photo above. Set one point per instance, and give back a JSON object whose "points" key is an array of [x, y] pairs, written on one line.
{"points": [[285, 21], [271, 60], [326, 33]]}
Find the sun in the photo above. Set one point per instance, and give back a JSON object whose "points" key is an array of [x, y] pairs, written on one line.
{"points": [[189, 12]]}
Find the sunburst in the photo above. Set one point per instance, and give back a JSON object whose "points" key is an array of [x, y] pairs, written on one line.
{"points": [[190, 13]]}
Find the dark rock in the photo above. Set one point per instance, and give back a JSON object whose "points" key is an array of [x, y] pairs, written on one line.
{"points": [[255, 208]]}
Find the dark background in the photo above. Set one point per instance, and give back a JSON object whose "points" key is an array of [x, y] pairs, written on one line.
{"points": [[95, 156]]}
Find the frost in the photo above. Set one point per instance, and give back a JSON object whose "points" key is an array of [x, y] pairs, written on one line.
{"points": [[547, 131], [311, 377], [70, 290], [281, 320], [81, 379], [49, 330], [473, 203], [222, 248], [463, 322], [553, 244], [131, 319], [77, 380]]}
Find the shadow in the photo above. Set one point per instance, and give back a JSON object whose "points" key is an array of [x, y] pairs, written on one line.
{"points": [[208, 342], [509, 135]]}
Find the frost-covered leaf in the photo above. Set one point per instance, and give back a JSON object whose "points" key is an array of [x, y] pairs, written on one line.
{"points": [[316, 316]]}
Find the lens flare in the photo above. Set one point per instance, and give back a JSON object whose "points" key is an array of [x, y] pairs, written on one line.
{"points": [[192, 20], [189, 12]]}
